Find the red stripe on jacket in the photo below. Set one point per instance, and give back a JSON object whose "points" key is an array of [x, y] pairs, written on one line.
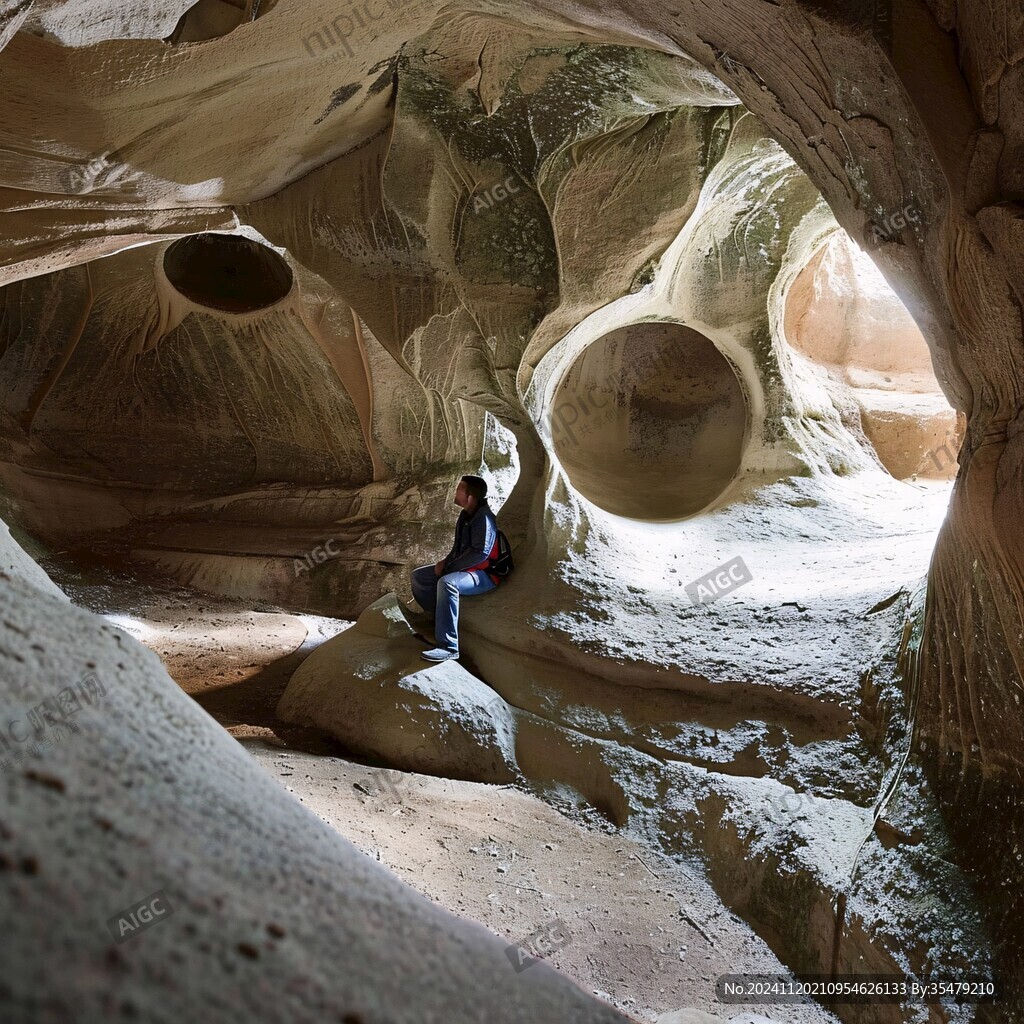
{"points": [[483, 564]]}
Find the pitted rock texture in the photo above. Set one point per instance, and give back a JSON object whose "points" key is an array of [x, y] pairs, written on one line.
{"points": [[272, 916]]}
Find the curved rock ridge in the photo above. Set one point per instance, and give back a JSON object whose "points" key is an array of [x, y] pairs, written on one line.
{"points": [[873, 898], [137, 837]]}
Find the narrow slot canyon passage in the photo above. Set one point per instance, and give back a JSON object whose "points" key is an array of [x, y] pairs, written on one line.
{"points": [[511, 513]]}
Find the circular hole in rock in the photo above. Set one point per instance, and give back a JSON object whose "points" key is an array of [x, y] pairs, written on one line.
{"points": [[227, 272], [649, 422]]}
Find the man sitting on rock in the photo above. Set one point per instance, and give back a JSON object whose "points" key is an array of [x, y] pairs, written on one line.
{"points": [[461, 571]]}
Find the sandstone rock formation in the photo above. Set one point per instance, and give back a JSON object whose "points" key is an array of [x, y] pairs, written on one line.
{"points": [[369, 688], [129, 789], [603, 251], [842, 315]]}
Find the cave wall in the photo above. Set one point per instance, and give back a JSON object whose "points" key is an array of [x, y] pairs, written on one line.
{"points": [[443, 271], [889, 109]]}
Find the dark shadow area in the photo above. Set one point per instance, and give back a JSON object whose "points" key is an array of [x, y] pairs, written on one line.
{"points": [[227, 272]]}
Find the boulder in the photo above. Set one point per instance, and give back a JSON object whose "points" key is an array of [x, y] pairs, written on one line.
{"points": [[369, 688]]}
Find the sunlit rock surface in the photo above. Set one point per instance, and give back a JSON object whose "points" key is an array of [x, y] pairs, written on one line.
{"points": [[842, 315]]}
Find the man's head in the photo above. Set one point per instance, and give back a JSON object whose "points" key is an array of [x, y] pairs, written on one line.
{"points": [[470, 492]]}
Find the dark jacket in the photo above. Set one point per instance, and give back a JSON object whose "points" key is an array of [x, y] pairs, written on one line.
{"points": [[476, 540]]}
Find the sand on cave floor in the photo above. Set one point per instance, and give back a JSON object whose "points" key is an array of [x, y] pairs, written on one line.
{"points": [[642, 931], [233, 658], [639, 930]]}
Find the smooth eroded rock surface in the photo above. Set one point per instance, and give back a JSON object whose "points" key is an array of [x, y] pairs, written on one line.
{"points": [[265, 912], [369, 688]]}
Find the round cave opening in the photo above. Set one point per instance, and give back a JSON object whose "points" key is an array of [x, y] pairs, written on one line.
{"points": [[230, 273], [649, 422]]}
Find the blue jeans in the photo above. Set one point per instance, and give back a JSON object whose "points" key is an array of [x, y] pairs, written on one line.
{"points": [[439, 596]]}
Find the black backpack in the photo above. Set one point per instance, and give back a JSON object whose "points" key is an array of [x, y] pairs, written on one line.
{"points": [[503, 564]]}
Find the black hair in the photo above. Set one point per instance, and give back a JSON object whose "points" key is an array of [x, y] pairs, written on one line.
{"points": [[477, 486]]}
